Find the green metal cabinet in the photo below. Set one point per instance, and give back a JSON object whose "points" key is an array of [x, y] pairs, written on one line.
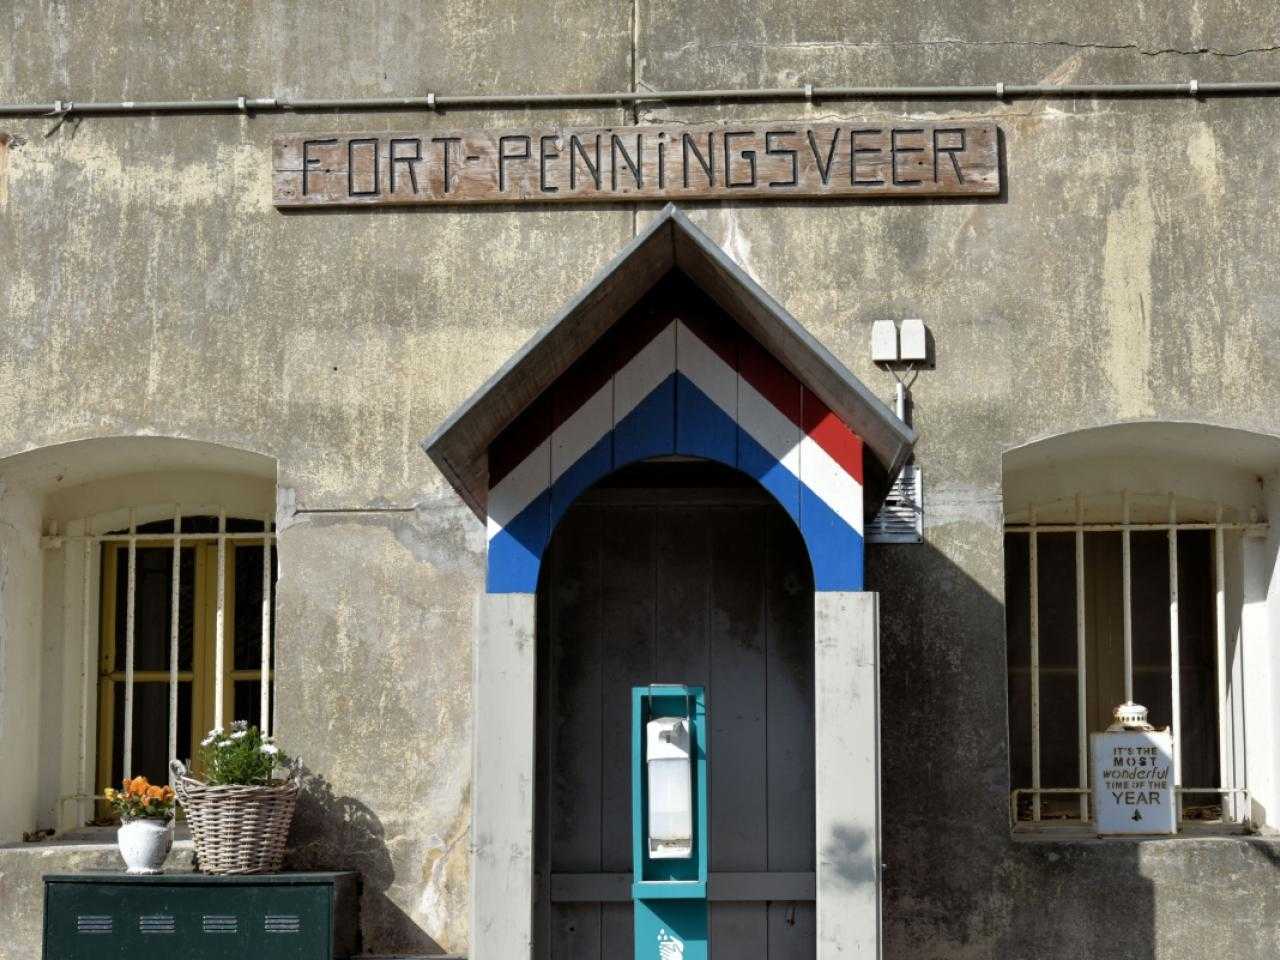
{"points": [[285, 916]]}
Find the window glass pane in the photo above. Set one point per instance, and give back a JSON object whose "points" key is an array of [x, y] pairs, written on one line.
{"points": [[1017, 581], [1197, 643], [248, 614], [1149, 552], [1104, 625], [202, 523], [1059, 758], [150, 730], [153, 607], [248, 702], [208, 523]]}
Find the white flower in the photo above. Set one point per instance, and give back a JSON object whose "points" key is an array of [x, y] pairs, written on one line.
{"points": [[239, 734], [240, 725], [223, 743], [207, 740], [215, 732], [270, 749]]}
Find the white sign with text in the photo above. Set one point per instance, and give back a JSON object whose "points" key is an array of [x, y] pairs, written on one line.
{"points": [[1133, 782]]}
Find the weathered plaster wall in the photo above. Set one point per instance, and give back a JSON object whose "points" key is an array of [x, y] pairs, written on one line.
{"points": [[20, 658], [149, 287]]}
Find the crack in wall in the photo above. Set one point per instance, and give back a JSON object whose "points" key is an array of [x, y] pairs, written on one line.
{"points": [[693, 45]]}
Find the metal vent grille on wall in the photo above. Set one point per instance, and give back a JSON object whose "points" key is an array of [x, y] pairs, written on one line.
{"points": [[901, 519], [157, 923], [93, 923]]}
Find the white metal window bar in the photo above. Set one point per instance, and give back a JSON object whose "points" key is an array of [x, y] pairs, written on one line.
{"points": [[1230, 794], [89, 635]]}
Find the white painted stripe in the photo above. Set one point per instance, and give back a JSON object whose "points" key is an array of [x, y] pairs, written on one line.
{"points": [[581, 431], [769, 426], [642, 374], [677, 346], [519, 488], [706, 370], [831, 482]]}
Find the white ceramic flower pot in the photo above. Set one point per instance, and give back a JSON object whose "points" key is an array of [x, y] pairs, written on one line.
{"points": [[144, 844]]}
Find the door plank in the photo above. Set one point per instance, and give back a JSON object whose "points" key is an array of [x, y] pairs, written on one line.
{"points": [[793, 931], [739, 789], [618, 931], [739, 931], [736, 711], [682, 561], [626, 574], [575, 931], [788, 587], [575, 731]]}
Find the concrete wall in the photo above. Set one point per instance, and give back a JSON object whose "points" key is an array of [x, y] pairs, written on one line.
{"points": [[20, 660], [150, 288]]}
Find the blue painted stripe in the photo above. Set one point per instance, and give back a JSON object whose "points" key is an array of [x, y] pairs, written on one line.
{"points": [[649, 430], [586, 470], [702, 428], [515, 552], [835, 548], [757, 462]]}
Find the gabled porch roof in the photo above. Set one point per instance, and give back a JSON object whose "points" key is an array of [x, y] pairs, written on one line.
{"points": [[459, 447]]}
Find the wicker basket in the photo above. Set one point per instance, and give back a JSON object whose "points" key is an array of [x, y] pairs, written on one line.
{"points": [[237, 829]]}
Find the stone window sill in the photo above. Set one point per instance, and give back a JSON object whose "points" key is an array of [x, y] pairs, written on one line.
{"points": [[1078, 833], [90, 838]]}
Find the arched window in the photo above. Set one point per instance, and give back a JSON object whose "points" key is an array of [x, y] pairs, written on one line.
{"points": [[1132, 556], [136, 612]]}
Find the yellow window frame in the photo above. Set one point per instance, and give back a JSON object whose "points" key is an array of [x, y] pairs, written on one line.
{"points": [[204, 652]]}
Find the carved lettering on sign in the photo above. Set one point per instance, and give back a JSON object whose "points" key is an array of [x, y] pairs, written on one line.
{"points": [[768, 161]]}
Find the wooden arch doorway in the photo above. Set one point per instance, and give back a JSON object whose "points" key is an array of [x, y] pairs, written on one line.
{"points": [[676, 570]]}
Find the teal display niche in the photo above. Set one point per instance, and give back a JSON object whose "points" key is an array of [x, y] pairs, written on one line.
{"points": [[671, 917]]}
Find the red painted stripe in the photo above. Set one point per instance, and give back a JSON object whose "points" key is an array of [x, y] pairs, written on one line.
{"points": [[617, 347], [713, 328], [581, 381], [833, 435], [633, 333], [781, 388], [770, 378]]}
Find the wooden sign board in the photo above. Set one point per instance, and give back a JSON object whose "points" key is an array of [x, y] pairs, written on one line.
{"points": [[1133, 789], [777, 161]]}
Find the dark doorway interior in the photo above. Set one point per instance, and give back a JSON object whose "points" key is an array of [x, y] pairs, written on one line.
{"points": [[676, 571]]}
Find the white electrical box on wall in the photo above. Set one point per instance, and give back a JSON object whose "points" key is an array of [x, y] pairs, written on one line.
{"points": [[913, 341], [884, 342]]}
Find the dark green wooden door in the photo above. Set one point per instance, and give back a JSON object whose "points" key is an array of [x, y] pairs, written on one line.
{"points": [[706, 584]]}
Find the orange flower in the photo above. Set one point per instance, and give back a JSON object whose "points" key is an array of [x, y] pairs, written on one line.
{"points": [[137, 787], [154, 793]]}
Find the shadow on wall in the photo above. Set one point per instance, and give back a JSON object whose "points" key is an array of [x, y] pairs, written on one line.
{"points": [[957, 885], [342, 833]]}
